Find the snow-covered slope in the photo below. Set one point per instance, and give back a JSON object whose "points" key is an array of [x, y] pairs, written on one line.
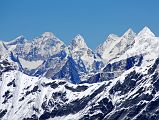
{"points": [[127, 88], [132, 95]]}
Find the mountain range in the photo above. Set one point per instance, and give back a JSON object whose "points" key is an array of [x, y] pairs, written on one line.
{"points": [[45, 79]]}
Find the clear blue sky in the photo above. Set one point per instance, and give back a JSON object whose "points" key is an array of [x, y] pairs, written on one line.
{"points": [[94, 19]]}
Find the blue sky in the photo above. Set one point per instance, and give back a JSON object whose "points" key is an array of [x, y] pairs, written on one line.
{"points": [[94, 19]]}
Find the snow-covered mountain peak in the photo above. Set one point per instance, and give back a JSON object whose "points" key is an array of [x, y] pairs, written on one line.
{"points": [[48, 38], [20, 37], [127, 87], [115, 45], [81, 53], [48, 35], [129, 34], [19, 40], [109, 43], [112, 37], [146, 32], [79, 42]]}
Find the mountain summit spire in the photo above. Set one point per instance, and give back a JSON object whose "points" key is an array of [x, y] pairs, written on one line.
{"points": [[79, 41], [146, 32], [129, 33]]}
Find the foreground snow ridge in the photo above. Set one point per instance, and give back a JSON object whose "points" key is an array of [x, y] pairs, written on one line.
{"points": [[45, 79]]}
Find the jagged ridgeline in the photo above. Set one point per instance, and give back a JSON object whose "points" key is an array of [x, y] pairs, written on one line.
{"points": [[48, 56], [44, 79]]}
